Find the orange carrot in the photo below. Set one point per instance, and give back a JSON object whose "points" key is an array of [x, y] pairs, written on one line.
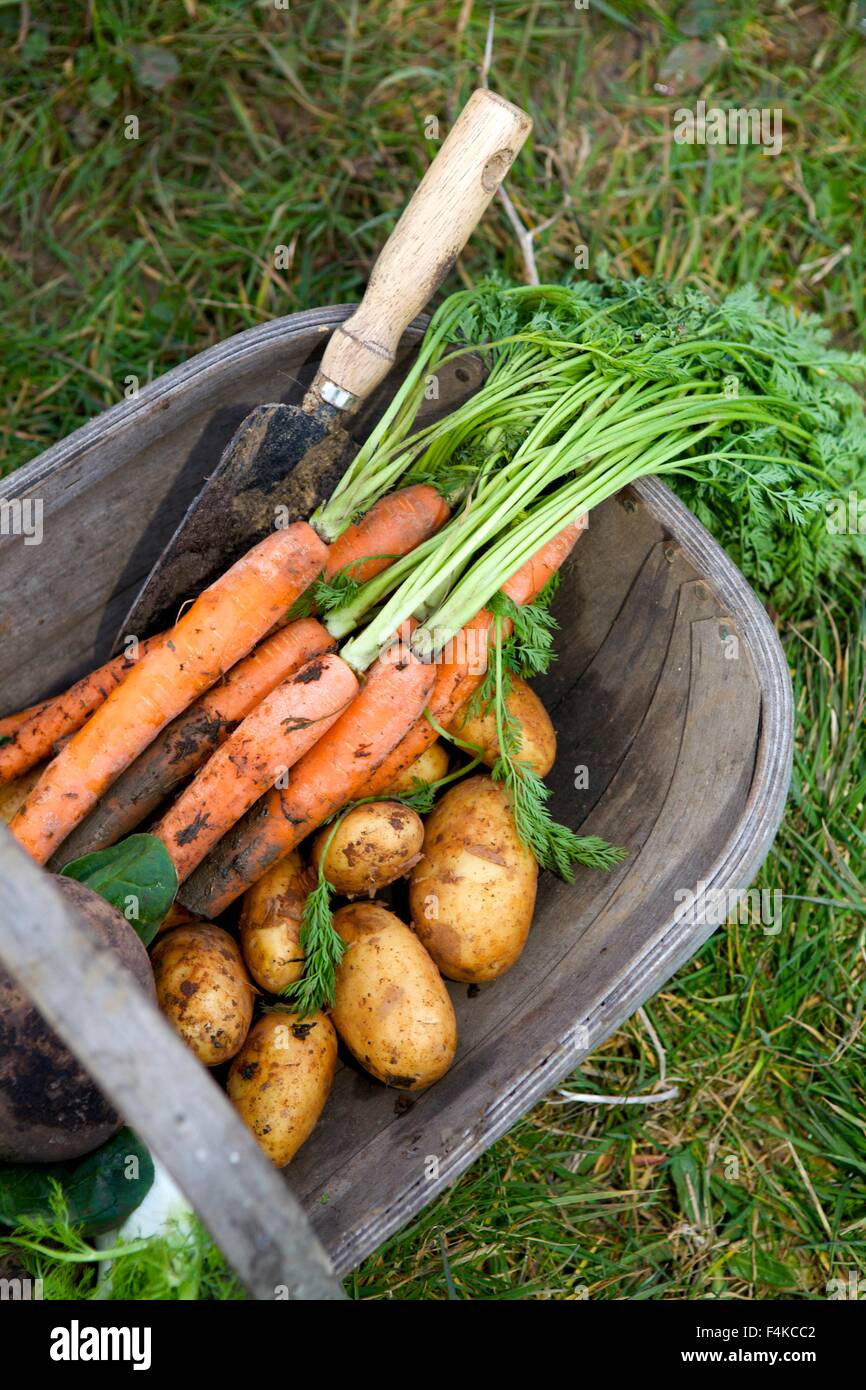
{"points": [[189, 740], [463, 670], [11, 723], [391, 528], [48, 723], [527, 582], [265, 745], [457, 678], [332, 773], [223, 625], [281, 820]]}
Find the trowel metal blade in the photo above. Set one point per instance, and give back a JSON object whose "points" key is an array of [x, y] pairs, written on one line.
{"points": [[279, 457]]}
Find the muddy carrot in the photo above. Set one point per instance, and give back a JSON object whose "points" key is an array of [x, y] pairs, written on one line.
{"points": [[459, 673], [48, 723], [189, 740], [11, 723], [462, 666], [394, 694], [392, 527], [220, 628], [264, 746]]}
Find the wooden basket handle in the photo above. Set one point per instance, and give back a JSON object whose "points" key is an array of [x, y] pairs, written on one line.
{"points": [[441, 216]]}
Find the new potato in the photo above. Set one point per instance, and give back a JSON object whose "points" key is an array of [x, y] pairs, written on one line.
{"points": [[472, 894], [281, 1078], [14, 794], [203, 990], [431, 766], [270, 924], [391, 1008], [537, 737], [372, 846]]}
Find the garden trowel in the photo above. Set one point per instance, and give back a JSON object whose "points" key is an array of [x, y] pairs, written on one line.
{"points": [[292, 456]]}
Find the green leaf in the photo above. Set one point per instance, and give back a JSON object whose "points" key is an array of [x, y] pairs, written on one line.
{"points": [[688, 64], [34, 47], [687, 1174], [322, 945], [764, 1270], [304, 605], [554, 846], [700, 19], [102, 93], [100, 1190], [136, 876], [153, 65]]}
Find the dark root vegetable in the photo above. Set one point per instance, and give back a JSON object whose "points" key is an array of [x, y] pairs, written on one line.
{"points": [[49, 1108]]}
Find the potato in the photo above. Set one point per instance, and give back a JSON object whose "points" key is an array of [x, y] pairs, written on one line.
{"points": [[270, 924], [472, 894], [281, 1078], [14, 794], [203, 990], [538, 737], [50, 1110], [372, 846], [430, 767], [391, 1008]]}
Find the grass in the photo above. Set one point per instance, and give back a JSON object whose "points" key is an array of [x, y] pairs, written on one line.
{"points": [[305, 128], [752, 1183]]}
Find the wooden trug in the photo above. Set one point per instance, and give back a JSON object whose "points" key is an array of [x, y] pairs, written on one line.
{"points": [[671, 689]]}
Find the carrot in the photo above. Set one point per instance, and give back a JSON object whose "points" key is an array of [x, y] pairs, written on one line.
{"points": [[223, 625], [267, 743], [177, 916], [391, 528], [460, 676], [527, 582], [52, 720], [455, 682], [280, 821], [189, 740], [332, 773], [11, 723]]}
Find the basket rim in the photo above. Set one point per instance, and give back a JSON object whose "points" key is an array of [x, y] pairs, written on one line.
{"points": [[157, 392]]}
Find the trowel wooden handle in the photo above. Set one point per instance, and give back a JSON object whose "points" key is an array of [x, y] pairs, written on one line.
{"points": [[425, 243]]}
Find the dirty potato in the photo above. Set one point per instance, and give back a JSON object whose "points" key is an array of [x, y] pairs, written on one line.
{"points": [[429, 767], [537, 734], [270, 924], [14, 794], [391, 1008], [203, 990], [371, 847], [472, 894], [281, 1078]]}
